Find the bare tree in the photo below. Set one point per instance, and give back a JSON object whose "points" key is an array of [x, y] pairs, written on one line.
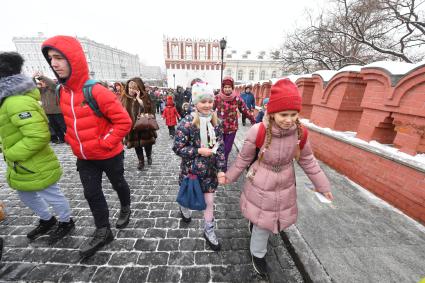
{"points": [[357, 32]]}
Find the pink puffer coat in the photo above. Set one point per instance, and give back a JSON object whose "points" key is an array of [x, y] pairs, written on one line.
{"points": [[269, 200]]}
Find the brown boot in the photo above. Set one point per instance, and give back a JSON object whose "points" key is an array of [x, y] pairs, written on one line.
{"points": [[141, 165]]}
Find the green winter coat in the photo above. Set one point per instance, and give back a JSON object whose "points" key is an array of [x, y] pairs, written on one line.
{"points": [[31, 163]]}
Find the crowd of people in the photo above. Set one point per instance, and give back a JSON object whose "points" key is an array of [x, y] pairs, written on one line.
{"points": [[97, 121]]}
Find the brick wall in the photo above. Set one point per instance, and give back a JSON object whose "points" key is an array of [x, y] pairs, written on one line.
{"points": [[396, 183]]}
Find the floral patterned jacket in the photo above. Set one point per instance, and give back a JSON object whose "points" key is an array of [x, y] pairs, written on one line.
{"points": [[186, 143], [227, 112]]}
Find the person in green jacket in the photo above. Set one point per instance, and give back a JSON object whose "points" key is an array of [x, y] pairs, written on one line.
{"points": [[33, 169]]}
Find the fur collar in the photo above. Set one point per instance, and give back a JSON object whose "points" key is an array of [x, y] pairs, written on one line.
{"points": [[15, 85]]}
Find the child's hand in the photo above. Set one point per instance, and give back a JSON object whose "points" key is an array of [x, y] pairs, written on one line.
{"points": [[328, 195], [221, 178], [205, 152]]}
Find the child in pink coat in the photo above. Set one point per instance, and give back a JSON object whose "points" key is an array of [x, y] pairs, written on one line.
{"points": [[269, 197]]}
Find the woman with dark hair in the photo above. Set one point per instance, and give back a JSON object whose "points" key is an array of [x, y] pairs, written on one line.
{"points": [[136, 101]]}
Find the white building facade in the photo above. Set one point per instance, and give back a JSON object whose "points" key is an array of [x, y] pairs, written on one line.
{"points": [[186, 59], [105, 63], [248, 67]]}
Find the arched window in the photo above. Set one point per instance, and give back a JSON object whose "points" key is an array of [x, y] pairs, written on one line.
{"points": [[229, 72], [251, 75], [273, 74], [240, 75], [263, 75]]}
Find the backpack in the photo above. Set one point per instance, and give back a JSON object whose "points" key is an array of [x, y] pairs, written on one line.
{"points": [[261, 137], [88, 96]]}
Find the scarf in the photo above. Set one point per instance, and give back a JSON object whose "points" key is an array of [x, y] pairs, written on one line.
{"points": [[226, 97], [207, 130]]}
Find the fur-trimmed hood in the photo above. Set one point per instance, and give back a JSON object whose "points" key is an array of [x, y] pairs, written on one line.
{"points": [[15, 85]]}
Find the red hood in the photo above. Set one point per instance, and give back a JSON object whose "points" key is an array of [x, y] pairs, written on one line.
{"points": [[71, 49]]}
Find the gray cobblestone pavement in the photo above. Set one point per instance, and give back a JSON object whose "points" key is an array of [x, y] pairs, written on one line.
{"points": [[155, 247]]}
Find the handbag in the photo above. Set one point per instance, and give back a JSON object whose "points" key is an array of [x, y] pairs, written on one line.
{"points": [[190, 193], [145, 121]]}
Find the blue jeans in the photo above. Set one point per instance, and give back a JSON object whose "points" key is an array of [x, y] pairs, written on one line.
{"points": [[39, 203]]}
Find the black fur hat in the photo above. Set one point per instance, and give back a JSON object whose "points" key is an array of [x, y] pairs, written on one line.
{"points": [[10, 64]]}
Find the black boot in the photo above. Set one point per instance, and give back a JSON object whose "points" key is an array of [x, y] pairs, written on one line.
{"points": [[124, 217], [141, 165], [260, 265], [149, 160], [43, 227], [63, 229], [1, 247], [101, 237]]}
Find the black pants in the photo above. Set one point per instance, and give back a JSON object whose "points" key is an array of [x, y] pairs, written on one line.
{"points": [[57, 127], [158, 108], [172, 130], [139, 151], [91, 178], [243, 119]]}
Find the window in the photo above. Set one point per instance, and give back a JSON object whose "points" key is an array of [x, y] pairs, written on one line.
{"points": [[240, 75], [251, 75], [263, 75], [202, 53], [189, 52], [229, 72], [273, 74], [215, 53], [175, 52]]}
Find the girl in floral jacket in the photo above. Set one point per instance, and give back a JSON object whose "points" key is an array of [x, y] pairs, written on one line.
{"points": [[199, 141], [269, 198], [226, 104]]}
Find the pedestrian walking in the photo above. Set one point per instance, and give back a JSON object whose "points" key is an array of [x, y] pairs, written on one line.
{"points": [[171, 116], [269, 199], [50, 104], [33, 169], [199, 142], [226, 104], [260, 114], [96, 140], [137, 102], [249, 100]]}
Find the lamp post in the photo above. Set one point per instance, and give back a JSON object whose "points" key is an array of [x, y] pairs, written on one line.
{"points": [[223, 43], [174, 77]]}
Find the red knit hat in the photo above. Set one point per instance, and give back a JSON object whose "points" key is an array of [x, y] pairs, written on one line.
{"points": [[284, 95], [227, 81]]}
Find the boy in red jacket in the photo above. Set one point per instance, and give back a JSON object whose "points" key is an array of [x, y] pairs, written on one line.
{"points": [[96, 141], [170, 115]]}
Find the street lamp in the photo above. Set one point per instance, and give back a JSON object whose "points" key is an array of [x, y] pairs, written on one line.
{"points": [[174, 77], [222, 47]]}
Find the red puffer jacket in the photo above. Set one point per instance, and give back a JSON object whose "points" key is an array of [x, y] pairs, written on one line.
{"points": [[90, 137], [170, 115]]}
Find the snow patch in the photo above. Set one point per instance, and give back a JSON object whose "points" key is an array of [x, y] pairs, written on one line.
{"points": [[326, 75], [395, 68], [383, 204], [351, 68]]}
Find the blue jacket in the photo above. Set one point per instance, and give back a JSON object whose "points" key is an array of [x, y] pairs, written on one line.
{"points": [[249, 100]]}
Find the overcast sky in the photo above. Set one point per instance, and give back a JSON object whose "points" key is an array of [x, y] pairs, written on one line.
{"points": [[138, 26]]}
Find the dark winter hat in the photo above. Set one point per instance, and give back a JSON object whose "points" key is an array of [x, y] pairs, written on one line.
{"points": [[284, 96], [228, 81], [10, 64]]}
